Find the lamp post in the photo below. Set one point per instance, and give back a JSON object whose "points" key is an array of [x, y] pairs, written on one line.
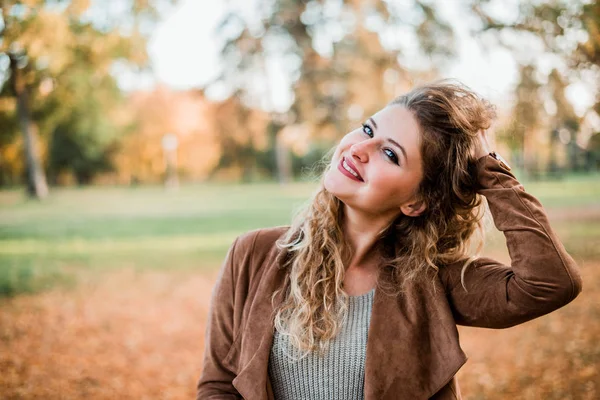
{"points": [[169, 145]]}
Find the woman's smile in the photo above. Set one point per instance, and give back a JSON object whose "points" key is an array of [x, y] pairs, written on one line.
{"points": [[349, 169]]}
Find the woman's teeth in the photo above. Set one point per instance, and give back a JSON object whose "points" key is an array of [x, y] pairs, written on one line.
{"points": [[347, 168]]}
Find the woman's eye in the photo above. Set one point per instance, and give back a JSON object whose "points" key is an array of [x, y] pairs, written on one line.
{"points": [[391, 155], [367, 129]]}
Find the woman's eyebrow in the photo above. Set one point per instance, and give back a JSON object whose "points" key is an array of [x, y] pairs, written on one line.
{"points": [[392, 141], [373, 122]]}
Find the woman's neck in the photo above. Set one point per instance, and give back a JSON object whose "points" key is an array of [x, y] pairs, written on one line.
{"points": [[362, 232]]}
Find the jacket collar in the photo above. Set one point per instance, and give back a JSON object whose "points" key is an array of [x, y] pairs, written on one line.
{"points": [[412, 348]]}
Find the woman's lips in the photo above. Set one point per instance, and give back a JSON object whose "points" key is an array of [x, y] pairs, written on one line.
{"points": [[348, 173]]}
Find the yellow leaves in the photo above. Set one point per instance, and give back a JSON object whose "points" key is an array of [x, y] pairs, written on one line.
{"points": [[589, 372], [137, 48], [141, 4], [104, 50], [51, 38], [188, 116], [12, 158], [32, 4], [8, 105], [46, 38], [46, 86], [78, 7], [296, 138]]}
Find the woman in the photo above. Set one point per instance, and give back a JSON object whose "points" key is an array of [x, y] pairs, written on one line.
{"points": [[360, 297]]}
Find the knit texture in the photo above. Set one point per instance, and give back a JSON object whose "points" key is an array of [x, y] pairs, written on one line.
{"points": [[338, 374]]}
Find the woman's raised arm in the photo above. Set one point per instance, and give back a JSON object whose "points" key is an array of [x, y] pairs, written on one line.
{"points": [[542, 276]]}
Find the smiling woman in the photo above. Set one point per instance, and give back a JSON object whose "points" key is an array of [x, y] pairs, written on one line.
{"points": [[361, 296]]}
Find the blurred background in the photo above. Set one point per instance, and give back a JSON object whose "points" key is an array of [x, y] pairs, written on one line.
{"points": [[138, 138]]}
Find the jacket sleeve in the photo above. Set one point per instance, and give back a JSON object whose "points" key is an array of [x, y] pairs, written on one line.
{"points": [[216, 379], [542, 277]]}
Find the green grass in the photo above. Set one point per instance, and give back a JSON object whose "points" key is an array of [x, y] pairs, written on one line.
{"points": [[93, 230], [98, 229], [570, 191]]}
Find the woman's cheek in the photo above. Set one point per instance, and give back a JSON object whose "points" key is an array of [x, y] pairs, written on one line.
{"points": [[345, 142]]}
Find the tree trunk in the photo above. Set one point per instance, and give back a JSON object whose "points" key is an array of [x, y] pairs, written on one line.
{"points": [[36, 180], [283, 160]]}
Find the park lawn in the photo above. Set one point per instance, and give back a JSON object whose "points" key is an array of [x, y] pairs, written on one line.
{"points": [[97, 229], [92, 230]]}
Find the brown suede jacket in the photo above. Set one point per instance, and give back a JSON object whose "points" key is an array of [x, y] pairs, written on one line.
{"points": [[413, 350]]}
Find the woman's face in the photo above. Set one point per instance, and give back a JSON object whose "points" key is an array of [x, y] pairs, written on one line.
{"points": [[377, 167]]}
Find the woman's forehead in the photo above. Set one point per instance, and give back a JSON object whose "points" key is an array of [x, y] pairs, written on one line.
{"points": [[397, 122]]}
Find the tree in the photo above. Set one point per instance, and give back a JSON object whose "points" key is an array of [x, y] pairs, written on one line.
{"points": [[565, 122], [242, 136], [45, 42], [569, 29], [522, 135], [83, 140], [568, 34]]}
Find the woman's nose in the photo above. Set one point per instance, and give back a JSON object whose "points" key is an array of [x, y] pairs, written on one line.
{"points": [[360, 151]]}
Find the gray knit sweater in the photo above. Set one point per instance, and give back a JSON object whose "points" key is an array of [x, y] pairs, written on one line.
{"points": [[339, 374]]}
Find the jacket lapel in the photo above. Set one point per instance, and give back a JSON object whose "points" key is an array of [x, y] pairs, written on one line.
{"points": [[412, 348], [252, 379]]}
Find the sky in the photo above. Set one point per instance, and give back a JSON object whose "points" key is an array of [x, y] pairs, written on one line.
{"points": [[189, 26], [493, 72]]}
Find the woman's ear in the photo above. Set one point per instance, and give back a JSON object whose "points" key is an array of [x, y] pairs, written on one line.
{"points": [[414, 209]]}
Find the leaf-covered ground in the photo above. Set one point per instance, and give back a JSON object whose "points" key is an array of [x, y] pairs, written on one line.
{"points": [[131, 336]]}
